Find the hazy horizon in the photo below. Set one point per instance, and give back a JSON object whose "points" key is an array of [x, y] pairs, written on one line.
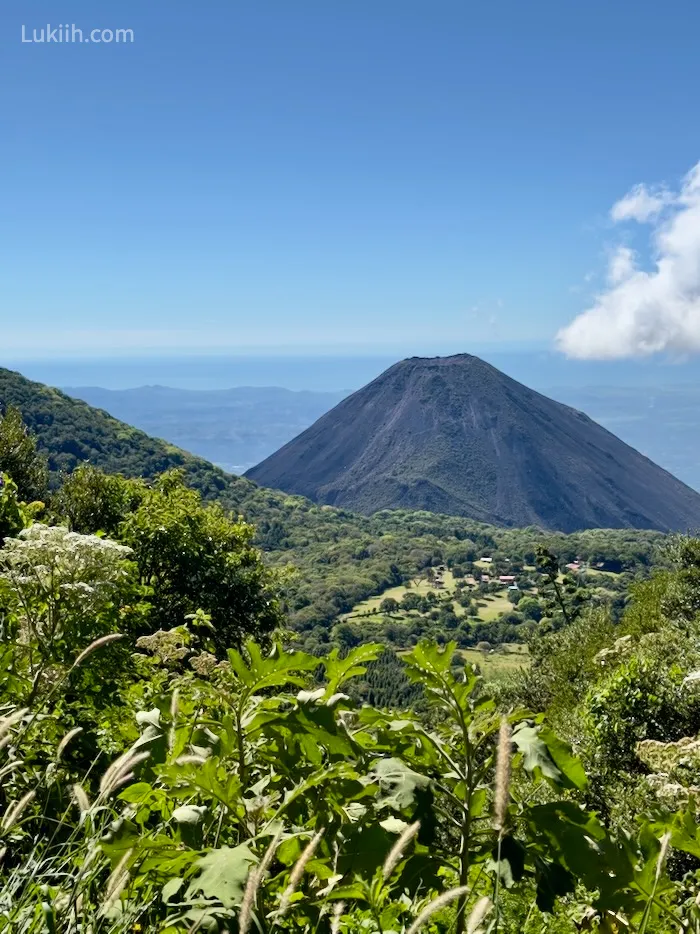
{"points": [[540, 369]]}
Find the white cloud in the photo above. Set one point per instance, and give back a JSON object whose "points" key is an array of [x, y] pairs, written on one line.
{"points": [[622, 265], [641, 204], [645, 312]]}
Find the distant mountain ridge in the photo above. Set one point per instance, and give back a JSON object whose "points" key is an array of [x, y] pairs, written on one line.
{"points": [[454, 435], [238, 428]]}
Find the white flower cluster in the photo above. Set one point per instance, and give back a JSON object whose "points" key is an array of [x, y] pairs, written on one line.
{"points": [[669, 763], [60, 578], [53, 552]]}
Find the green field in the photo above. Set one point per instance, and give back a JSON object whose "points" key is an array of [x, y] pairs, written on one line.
{"points": [[594, 572], [420, 586], [495, 664], [492, 606]]}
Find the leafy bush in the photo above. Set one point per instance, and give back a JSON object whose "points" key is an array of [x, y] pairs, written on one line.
{"points": [[254, 795], [19, 457]]}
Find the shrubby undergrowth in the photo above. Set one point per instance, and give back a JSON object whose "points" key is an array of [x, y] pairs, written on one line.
{"points": [[255, 795]]}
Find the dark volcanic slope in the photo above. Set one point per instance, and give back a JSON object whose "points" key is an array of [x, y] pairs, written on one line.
{"points": [[455, 435]]}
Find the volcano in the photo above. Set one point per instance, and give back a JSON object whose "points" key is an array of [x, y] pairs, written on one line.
{"points": [[454, 435]]}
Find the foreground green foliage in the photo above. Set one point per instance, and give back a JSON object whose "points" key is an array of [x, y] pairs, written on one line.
{"points": [[249, 790], [191, 557], [256, 795]]}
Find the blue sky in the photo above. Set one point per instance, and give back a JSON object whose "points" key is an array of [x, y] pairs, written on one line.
{"points": [[377, 175]]}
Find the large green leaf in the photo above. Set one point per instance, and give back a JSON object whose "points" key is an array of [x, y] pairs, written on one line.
{"points": [[223, 874], [578, 841], [430, 665], [535, 753], [317, 729], [684, 830], [508, 861], [340, 670], [365, 848], [277, 669], [431, 661], [404, 790], [335, 772], [399, 785], [553, 881], [572, 772]]}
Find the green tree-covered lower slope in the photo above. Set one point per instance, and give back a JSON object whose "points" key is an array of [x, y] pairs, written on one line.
{"points": [[342, 557]]}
